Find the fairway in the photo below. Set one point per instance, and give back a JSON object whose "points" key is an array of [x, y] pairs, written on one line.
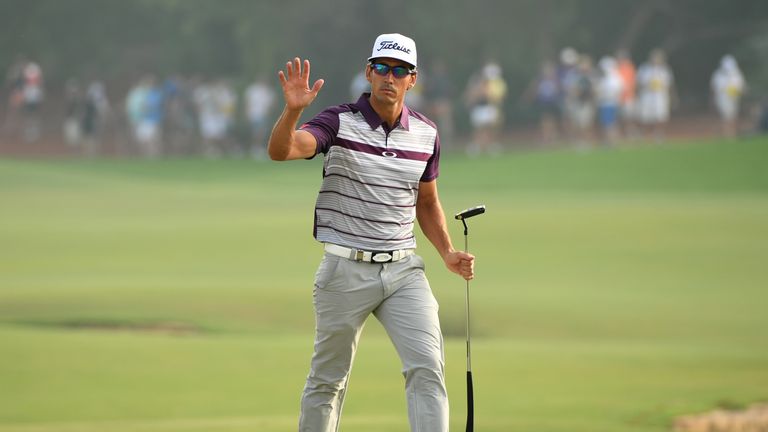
{"points": [[615, 290]]}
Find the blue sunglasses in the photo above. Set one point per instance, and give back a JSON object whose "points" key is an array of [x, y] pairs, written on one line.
{"points": [[397, 71]]}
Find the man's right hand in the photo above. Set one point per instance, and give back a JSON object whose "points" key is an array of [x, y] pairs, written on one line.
{"points": [[286, 143], [295, 82]]}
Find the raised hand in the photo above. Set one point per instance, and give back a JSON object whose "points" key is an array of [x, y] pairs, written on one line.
{"points": [[295, 82]]}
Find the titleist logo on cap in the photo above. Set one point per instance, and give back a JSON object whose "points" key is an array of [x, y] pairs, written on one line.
{"points": [[392, 45]]}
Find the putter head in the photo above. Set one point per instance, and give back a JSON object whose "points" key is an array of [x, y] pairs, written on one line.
{"points": [[468, 213]]}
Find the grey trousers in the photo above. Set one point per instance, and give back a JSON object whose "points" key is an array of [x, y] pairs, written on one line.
{"points": [[398, 294]]}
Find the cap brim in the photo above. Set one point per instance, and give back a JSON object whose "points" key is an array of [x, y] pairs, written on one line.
{"points": [[394, 58]]}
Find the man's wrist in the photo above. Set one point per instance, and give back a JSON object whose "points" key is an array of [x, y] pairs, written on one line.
{"points": [[447, 252], [292, 113]]}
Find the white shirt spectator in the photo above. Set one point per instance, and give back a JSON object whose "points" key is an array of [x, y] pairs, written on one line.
{"points": [[610, 86], [33, 83], [259, 98], [727, 86], [655, 83]]}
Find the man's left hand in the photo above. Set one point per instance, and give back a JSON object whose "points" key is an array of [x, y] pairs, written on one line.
{"points": [[461, 263]]}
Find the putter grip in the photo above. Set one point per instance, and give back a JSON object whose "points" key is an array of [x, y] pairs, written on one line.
{"points": [[468, 213], [470, 404]]}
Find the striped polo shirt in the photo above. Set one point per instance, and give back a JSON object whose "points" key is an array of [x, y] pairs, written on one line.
{"points": [[371, 175]]}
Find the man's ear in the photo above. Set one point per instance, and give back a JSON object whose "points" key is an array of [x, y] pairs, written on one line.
{"points": [[368, 71], [413, 80]]}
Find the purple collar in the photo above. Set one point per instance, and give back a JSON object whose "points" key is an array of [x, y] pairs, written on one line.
{"points": [[373, 119]]}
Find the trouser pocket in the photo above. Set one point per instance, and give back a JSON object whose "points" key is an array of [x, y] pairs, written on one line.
{"points": [[326, 270]]}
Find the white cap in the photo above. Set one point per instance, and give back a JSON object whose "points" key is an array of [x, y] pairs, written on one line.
{"points": [[569, 56], [729, 62], [491, 71], [396, 46], [607, 64]]}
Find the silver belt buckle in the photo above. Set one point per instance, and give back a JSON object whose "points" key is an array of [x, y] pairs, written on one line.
{"points": [[381, 257]]}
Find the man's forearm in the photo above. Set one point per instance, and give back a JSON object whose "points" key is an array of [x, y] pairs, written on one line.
{"points": [[282, 137], [432, 222]]}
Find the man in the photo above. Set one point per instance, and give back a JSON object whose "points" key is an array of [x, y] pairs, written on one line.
{"points": [[727, 88], [628, 74], [259, 99], [379, 177], [656, 85], [608, 93]]}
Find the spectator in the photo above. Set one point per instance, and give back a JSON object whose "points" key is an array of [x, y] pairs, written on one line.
{"points": [[178, 122], [33, 95], [14, 83], [628, 75], [216, 107], [580, 100], [727, 87], [144, 106], [259, 100], [569, 58], [655, 82], [610, 87], [762, 117], [74, 106], [438, 95], [95, 114], [485, 95], [152, 119], [134, 106], [183, 113], [545, 92]]}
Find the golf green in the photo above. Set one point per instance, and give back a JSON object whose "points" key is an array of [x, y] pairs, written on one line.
{"points": [[616, 289]]}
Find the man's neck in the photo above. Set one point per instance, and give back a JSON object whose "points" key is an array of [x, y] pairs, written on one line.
{"points": [[389, 113]]}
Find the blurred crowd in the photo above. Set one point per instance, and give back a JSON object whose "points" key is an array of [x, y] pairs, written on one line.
{"points": [[180, 116], [581, 103], [175, 115], [576, 102]]}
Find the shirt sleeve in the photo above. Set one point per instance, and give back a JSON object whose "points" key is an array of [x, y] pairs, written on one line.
{"points": [[433, 163], [324, 127]]}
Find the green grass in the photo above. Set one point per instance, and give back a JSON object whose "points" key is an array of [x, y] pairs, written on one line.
{"points": [[616, 289]]}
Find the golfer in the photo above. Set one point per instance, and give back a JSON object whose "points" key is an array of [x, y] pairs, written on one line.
{"points": [[379, 178]]}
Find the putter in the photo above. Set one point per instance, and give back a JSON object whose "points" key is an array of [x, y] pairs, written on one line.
{"points": [[463, 216]]}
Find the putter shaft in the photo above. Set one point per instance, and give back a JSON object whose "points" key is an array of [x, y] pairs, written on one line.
{"points": [[470, 426], [466, 310]]}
